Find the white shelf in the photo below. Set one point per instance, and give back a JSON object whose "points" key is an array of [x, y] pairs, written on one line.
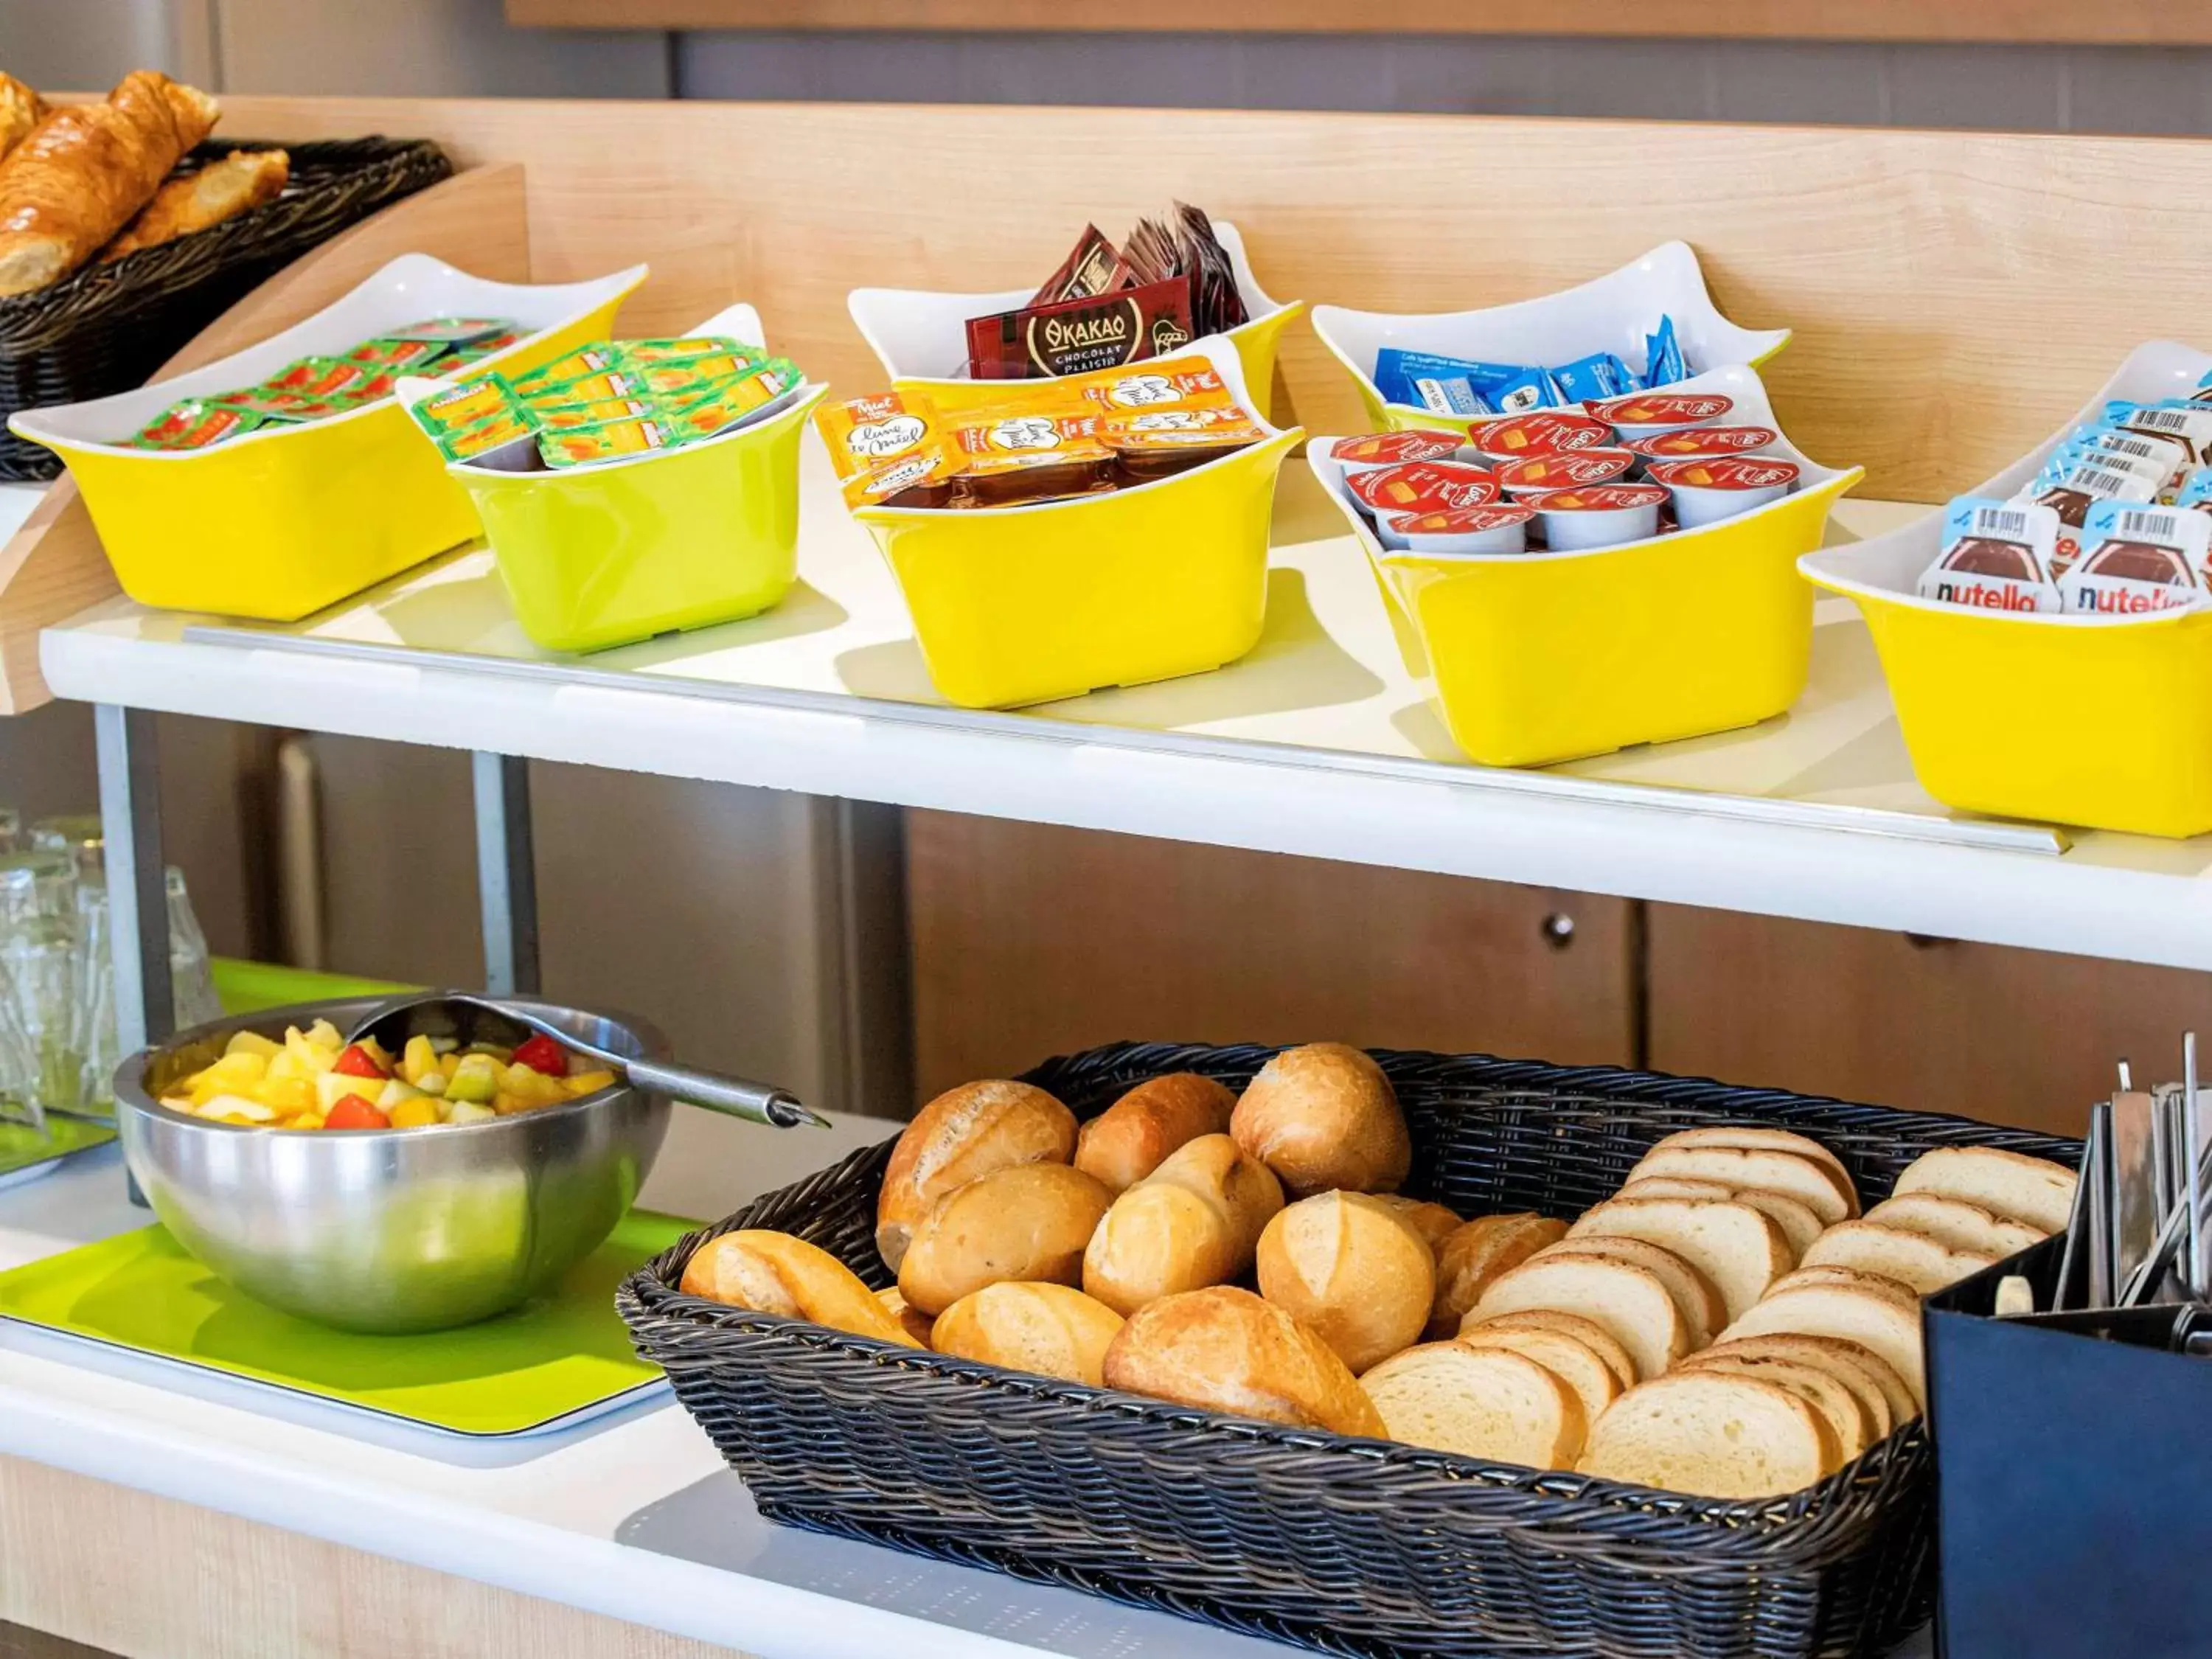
{"points": [[1323, 742]]}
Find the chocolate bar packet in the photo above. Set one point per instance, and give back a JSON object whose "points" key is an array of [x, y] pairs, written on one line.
{"points": [[1184, 245], [1996, 556], [2138, 560], [1088, 271], [1077, 336]]}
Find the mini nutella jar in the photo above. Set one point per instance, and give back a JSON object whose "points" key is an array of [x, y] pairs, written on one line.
{"points": [[1492, 527], [1381, 449], [1564, 469], [1543, 432], [1702, 443], [1604, 516], [1707, 491], [1642, 414]]}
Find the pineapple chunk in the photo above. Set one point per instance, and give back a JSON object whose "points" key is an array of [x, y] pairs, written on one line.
{"points": [[293, 1095], [236, 1109], [251, 1043], [324, 1034], [240, 1072], [416, 1114], [311, 1059], [285, 1067], [449, 1061], [419, 1061], [580, 1083], [471, 1111], [331, 1087]]}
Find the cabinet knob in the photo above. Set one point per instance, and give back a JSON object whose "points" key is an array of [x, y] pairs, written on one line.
{"points": [[1558, 930]]}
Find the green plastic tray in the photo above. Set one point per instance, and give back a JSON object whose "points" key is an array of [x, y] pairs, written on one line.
{"points": [[23, 1149], [521, 1373]]}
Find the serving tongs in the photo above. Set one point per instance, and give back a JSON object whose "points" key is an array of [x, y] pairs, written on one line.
{"points": [[465, 1018]]}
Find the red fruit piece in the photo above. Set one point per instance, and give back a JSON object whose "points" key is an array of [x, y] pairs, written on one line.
{"points": [[354, 1113], [541, 1053], [357, 1061]]}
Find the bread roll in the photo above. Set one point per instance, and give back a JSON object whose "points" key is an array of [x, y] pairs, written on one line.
{"points": [[2031, 1190], [1225, 1349], [85, 169], [1324, 1118], [1712, 1435], [1160, 1239], [1028, 1222], [1910, 1258], [915, 1323], [1848, 1279], [1890, 1330], [1474, 1255], [1847, 1420], [1955, 1223], [1829, 1194], [1046, 1329], [963, 1133], [19, 110], [1591, 1335], [219, 190], [1478, 1402], [1433, 1222], [1126, 1142], [1704, 1312], [1240, 1186], [773, 1272], [1799, 1224], [1875, 1381], [1630, 1302], [1738, 1249], [1573, 1361], [1346, 1266]]}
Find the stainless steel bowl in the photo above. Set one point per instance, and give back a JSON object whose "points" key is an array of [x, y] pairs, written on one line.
{"points": [[391, 1229]]}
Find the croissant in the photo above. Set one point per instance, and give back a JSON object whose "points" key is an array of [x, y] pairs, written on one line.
{"points": [[86, 169], [244, 178], [19, 110]]}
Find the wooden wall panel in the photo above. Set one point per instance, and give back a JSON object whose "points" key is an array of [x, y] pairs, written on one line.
{"points": [[2023, 1037], [1030, 940]]}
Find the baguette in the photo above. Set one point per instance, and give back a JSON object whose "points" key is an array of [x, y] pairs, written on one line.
{"points": [[86, 169], [1226, 1350], [917, 1324], [1738, 1248], [1127, 1141], [773, 1273], [1702, 1311], [1848, 1279], [1570, 1359], [220, 190], [1794, 1216], [1955, 1223], [963, 1133], [1828, 1193], [1629, 1302], [1028, 1222], [1911, 1258], [1324, 1118], [1889, 1403], [1751, 1136], [1489, 1403], [2033, 1191], [1159, 1239], [1890, 1330], [19, 110], [1474, 1253], [1848, 1419], [1588, 1332], [1048, 1330], [1712, 1435], [1347, 1268]]}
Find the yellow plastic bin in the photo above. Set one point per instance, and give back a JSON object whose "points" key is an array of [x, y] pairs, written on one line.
{"points": [[623, 549], [288, 520], [1543, 657], [921, 338], [2100, 721]]}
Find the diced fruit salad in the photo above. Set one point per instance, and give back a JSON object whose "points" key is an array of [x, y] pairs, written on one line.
{"points": [[314, 1079]]}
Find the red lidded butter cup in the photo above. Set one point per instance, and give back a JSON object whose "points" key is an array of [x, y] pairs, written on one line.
{"points": [[1641, 412], [1701, 442], [1602, 515], [1489, 527], [1543, 432], [1379, 449], [1423, 486], [1707, 491], [1563, 469]]}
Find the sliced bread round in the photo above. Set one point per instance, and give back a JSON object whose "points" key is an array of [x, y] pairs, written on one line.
{"points": [[1713, 1435], [1826, 1191], [1704, 1308], [1890, 1329], [1955, 1223], [1793, 1215], [1478, 1402], [1588, 1332], [1630, 1302], [1848, 1279], [2032, 1190], [1570, 1359], [1476, 1252], [1877, 1387], [1849, 1420], [1759, 1138], [1739, 1249], [1911, 1258]]}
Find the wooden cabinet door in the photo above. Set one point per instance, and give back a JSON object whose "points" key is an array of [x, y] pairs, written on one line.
{"points": [[2024, 1037], [1030, 940]]}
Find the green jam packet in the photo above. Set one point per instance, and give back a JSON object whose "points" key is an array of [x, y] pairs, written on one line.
{"points": [[645, 353], [493, 432], [465, 405], [195, 424], [450, 331], [595, 358]]}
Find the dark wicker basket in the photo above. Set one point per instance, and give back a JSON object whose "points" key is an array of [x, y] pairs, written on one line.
{"points": [[1348, 1547], [105, 329]]}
